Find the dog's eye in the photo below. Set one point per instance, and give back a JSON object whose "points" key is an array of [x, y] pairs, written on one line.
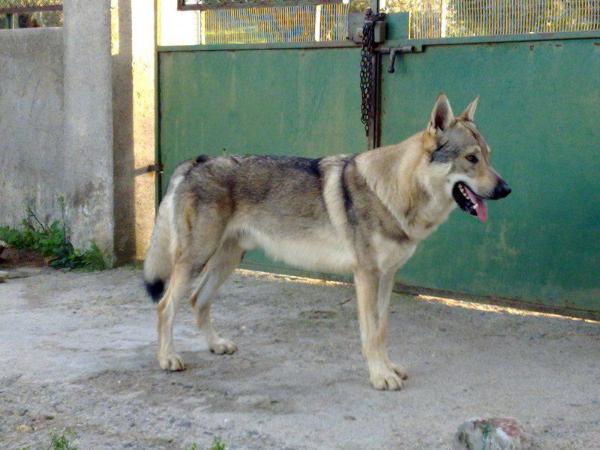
{"points": [[472, 159]]}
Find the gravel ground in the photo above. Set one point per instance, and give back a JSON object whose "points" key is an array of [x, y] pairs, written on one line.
{"points": [[77, 351]]}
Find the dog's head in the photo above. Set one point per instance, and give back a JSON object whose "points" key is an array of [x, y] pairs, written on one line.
{"points": [[470, 177]]}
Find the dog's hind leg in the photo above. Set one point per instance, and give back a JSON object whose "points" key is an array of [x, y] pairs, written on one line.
{"points": [[216, 343], [384, 293], [179, 287], [224, 261], [372, 334]]}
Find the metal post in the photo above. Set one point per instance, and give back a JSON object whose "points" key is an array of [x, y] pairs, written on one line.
{"points": [[374, 138], [318, 11], [444, 24], [203, 27]]}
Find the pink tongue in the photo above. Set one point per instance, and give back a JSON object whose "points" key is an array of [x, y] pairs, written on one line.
{"points": [[480, 204]]}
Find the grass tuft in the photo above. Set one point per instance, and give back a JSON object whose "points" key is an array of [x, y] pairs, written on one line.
{"points": [[61, 441], [53, 243], [216, 445]]}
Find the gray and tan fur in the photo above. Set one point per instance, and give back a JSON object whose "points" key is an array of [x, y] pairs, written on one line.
{"points": [[362, 214]]}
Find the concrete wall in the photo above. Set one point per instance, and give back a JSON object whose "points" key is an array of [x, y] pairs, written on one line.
{"points": [[56, 122], [77, 120], [31, 123], [88, 138]]}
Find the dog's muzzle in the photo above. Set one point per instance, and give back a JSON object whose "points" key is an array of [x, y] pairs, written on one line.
{"points": [[501, 190]]}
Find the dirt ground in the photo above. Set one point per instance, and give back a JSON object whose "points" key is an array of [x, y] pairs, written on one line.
{"points": [[77, 350]]}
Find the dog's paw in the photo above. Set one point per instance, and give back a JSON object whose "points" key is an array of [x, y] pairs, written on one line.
{"points": [[171, 361], [385, 379], [400, 371], [222, 346]]}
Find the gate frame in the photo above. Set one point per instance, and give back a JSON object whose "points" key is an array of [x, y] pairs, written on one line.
{"points": [[398, 40]]}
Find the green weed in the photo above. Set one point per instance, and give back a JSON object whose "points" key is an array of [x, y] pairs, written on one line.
{"points": [[216, 445], [52, 242], [61, 442]]}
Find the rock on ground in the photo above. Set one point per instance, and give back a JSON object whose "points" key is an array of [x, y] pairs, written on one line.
{"points": [[491, 434]]}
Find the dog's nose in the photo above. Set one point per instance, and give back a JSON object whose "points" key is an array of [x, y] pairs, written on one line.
{"points": [[502, 190]]}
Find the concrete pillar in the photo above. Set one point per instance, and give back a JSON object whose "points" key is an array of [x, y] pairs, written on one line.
{"points": [[144, 108], [134, 118], [88, 126], [123, 130]]}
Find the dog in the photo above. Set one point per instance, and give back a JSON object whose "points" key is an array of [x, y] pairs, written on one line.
{"points": [[360, 214]]}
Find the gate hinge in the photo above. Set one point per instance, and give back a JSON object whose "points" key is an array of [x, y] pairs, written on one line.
{"points": [[158, 168], [379, 32]]}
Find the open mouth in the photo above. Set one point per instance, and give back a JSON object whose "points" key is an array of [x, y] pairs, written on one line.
{"points": [[469, 201]]}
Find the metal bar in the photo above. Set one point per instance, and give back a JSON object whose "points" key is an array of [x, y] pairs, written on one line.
{"points": [[374, 136], [30, 9], [273, 46], [318, 14], [158, 176], [260, 3], [497, 39]]}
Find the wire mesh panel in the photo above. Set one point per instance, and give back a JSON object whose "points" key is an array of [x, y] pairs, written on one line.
{"points": [[275, 24], [460, 18], [30, 13], [334, 22], [222, 4], [17, 6]]}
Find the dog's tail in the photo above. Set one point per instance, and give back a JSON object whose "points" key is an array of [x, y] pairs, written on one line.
{"points": [[158, 262]]}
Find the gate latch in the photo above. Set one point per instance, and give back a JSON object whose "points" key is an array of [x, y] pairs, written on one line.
{"points": [[158, 168], [398, 50]]}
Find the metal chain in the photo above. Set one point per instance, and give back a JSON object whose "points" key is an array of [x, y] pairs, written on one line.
{"points": [[367, 83]]}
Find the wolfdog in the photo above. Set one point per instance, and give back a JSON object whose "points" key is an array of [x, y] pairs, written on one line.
{"points": [[358, 214]]}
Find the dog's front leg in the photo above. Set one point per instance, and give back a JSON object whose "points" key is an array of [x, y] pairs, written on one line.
{"points": [[384, 294], [372, 334]]}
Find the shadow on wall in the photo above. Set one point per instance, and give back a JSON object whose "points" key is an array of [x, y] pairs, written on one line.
{"points": [[123, 152]]}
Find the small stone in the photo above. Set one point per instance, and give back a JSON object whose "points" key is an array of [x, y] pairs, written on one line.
{"points": [[502, 433], [3, 276], [24, 428], [185, 424]]}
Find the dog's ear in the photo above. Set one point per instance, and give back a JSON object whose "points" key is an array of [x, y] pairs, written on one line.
{"points": [[441, 116], [469, 112]]}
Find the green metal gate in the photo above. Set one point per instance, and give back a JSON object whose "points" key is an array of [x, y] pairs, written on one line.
{"points": [[540, 103], [539, 110]]}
